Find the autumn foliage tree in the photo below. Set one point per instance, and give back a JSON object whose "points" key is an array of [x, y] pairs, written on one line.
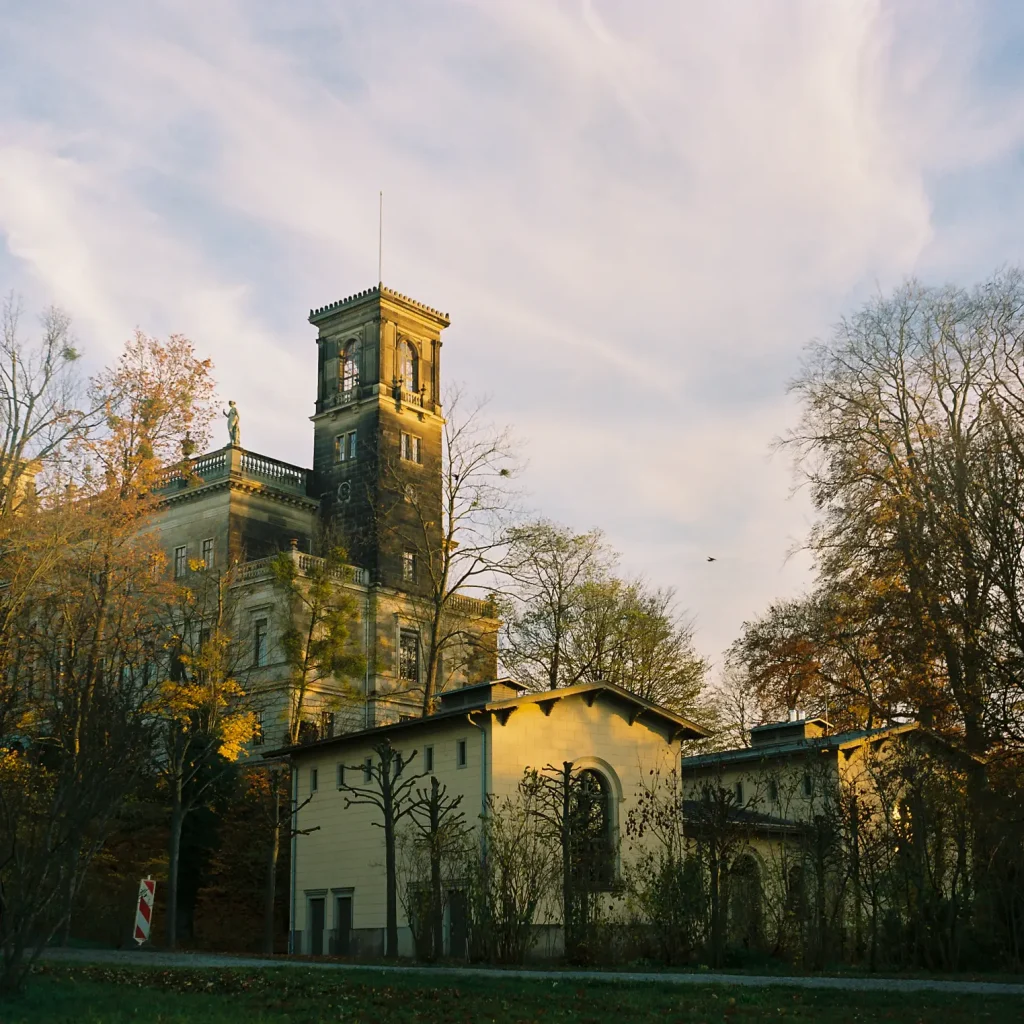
{"points": [[84, 641]]}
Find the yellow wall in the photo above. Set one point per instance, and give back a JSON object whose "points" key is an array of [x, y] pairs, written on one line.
{"points": [[347, 851]]}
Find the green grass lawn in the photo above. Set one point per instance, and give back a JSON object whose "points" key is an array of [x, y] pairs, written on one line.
{"points": [[111, 995]]}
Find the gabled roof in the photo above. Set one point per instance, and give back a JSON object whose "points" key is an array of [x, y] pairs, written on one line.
{"points": [[674, 726], [695, 814], [790, 748]]}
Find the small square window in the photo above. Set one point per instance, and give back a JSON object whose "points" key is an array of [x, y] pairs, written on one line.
{"points": [[341, 776], [409, 566], [313, 778], [180, 561], [460, 754], [208, 553], [428, 759]]}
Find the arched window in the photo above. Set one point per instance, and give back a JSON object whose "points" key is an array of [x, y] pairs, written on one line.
{"points": [[594, 846], [743, 902], [350, 367], [408, 366]]}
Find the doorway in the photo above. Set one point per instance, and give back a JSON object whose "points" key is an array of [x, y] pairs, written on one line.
{"points": [[342, 945], [316, 925]]}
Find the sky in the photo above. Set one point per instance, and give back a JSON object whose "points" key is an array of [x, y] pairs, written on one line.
{"points": [[636, 213]]}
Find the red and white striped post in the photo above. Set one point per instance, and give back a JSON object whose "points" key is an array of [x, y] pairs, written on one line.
{"points": [[144, 914]]}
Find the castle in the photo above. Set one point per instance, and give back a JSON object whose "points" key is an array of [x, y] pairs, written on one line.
{"points": [[375, 486]]}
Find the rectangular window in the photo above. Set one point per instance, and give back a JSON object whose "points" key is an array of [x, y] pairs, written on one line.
{"points": [[409, 566], [739, 792], [259, 644], [460, 754], [368, 770], [428, 759], [312, 780], [345, 447], [258, 735], [326, 725], [341, 776], [808, 786], [208, 553], [180, 561], [410, 448], [409, 655], [773, 791]]}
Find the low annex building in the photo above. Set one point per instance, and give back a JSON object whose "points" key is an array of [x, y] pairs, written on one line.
{"points": [[767, 810], [478, 745]]}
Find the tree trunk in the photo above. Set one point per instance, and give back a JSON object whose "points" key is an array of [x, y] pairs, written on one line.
{"points": [[270, 894], [569, 924], [177, 820], [436, 903], [716, 908], [391, 941]]}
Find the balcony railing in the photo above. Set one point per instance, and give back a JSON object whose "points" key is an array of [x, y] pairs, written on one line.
{"points": [[474, 607], [238, 464], [261, 568]]}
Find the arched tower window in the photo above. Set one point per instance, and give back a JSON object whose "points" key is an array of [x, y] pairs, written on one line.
{"points": [[408, 366], [350, 367], [594, 853]]}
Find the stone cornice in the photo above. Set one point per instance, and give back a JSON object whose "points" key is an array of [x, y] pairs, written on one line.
{"points": [[377, 292], [247, 487]]}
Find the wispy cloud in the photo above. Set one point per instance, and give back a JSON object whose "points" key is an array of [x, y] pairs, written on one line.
{"points": [[635, 213]]}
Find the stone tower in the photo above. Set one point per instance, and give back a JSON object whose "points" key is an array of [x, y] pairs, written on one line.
{"points": [[378, 430]]}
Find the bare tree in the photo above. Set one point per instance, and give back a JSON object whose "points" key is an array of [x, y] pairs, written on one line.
{"points": [[388, 788], [548, 565], [42, 405], [440, 830], [464, 551]]}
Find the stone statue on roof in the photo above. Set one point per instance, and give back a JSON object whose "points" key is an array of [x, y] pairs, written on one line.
{"points": [[234, 430]]}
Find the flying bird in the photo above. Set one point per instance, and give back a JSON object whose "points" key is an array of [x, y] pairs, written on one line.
{"points": [[712, 559]]}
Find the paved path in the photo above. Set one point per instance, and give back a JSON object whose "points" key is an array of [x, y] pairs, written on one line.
{"points": [[124, 958]]}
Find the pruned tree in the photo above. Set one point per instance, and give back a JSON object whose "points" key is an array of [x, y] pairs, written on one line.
{"points": [[389, 789], [440, 830], [573, 806]]}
